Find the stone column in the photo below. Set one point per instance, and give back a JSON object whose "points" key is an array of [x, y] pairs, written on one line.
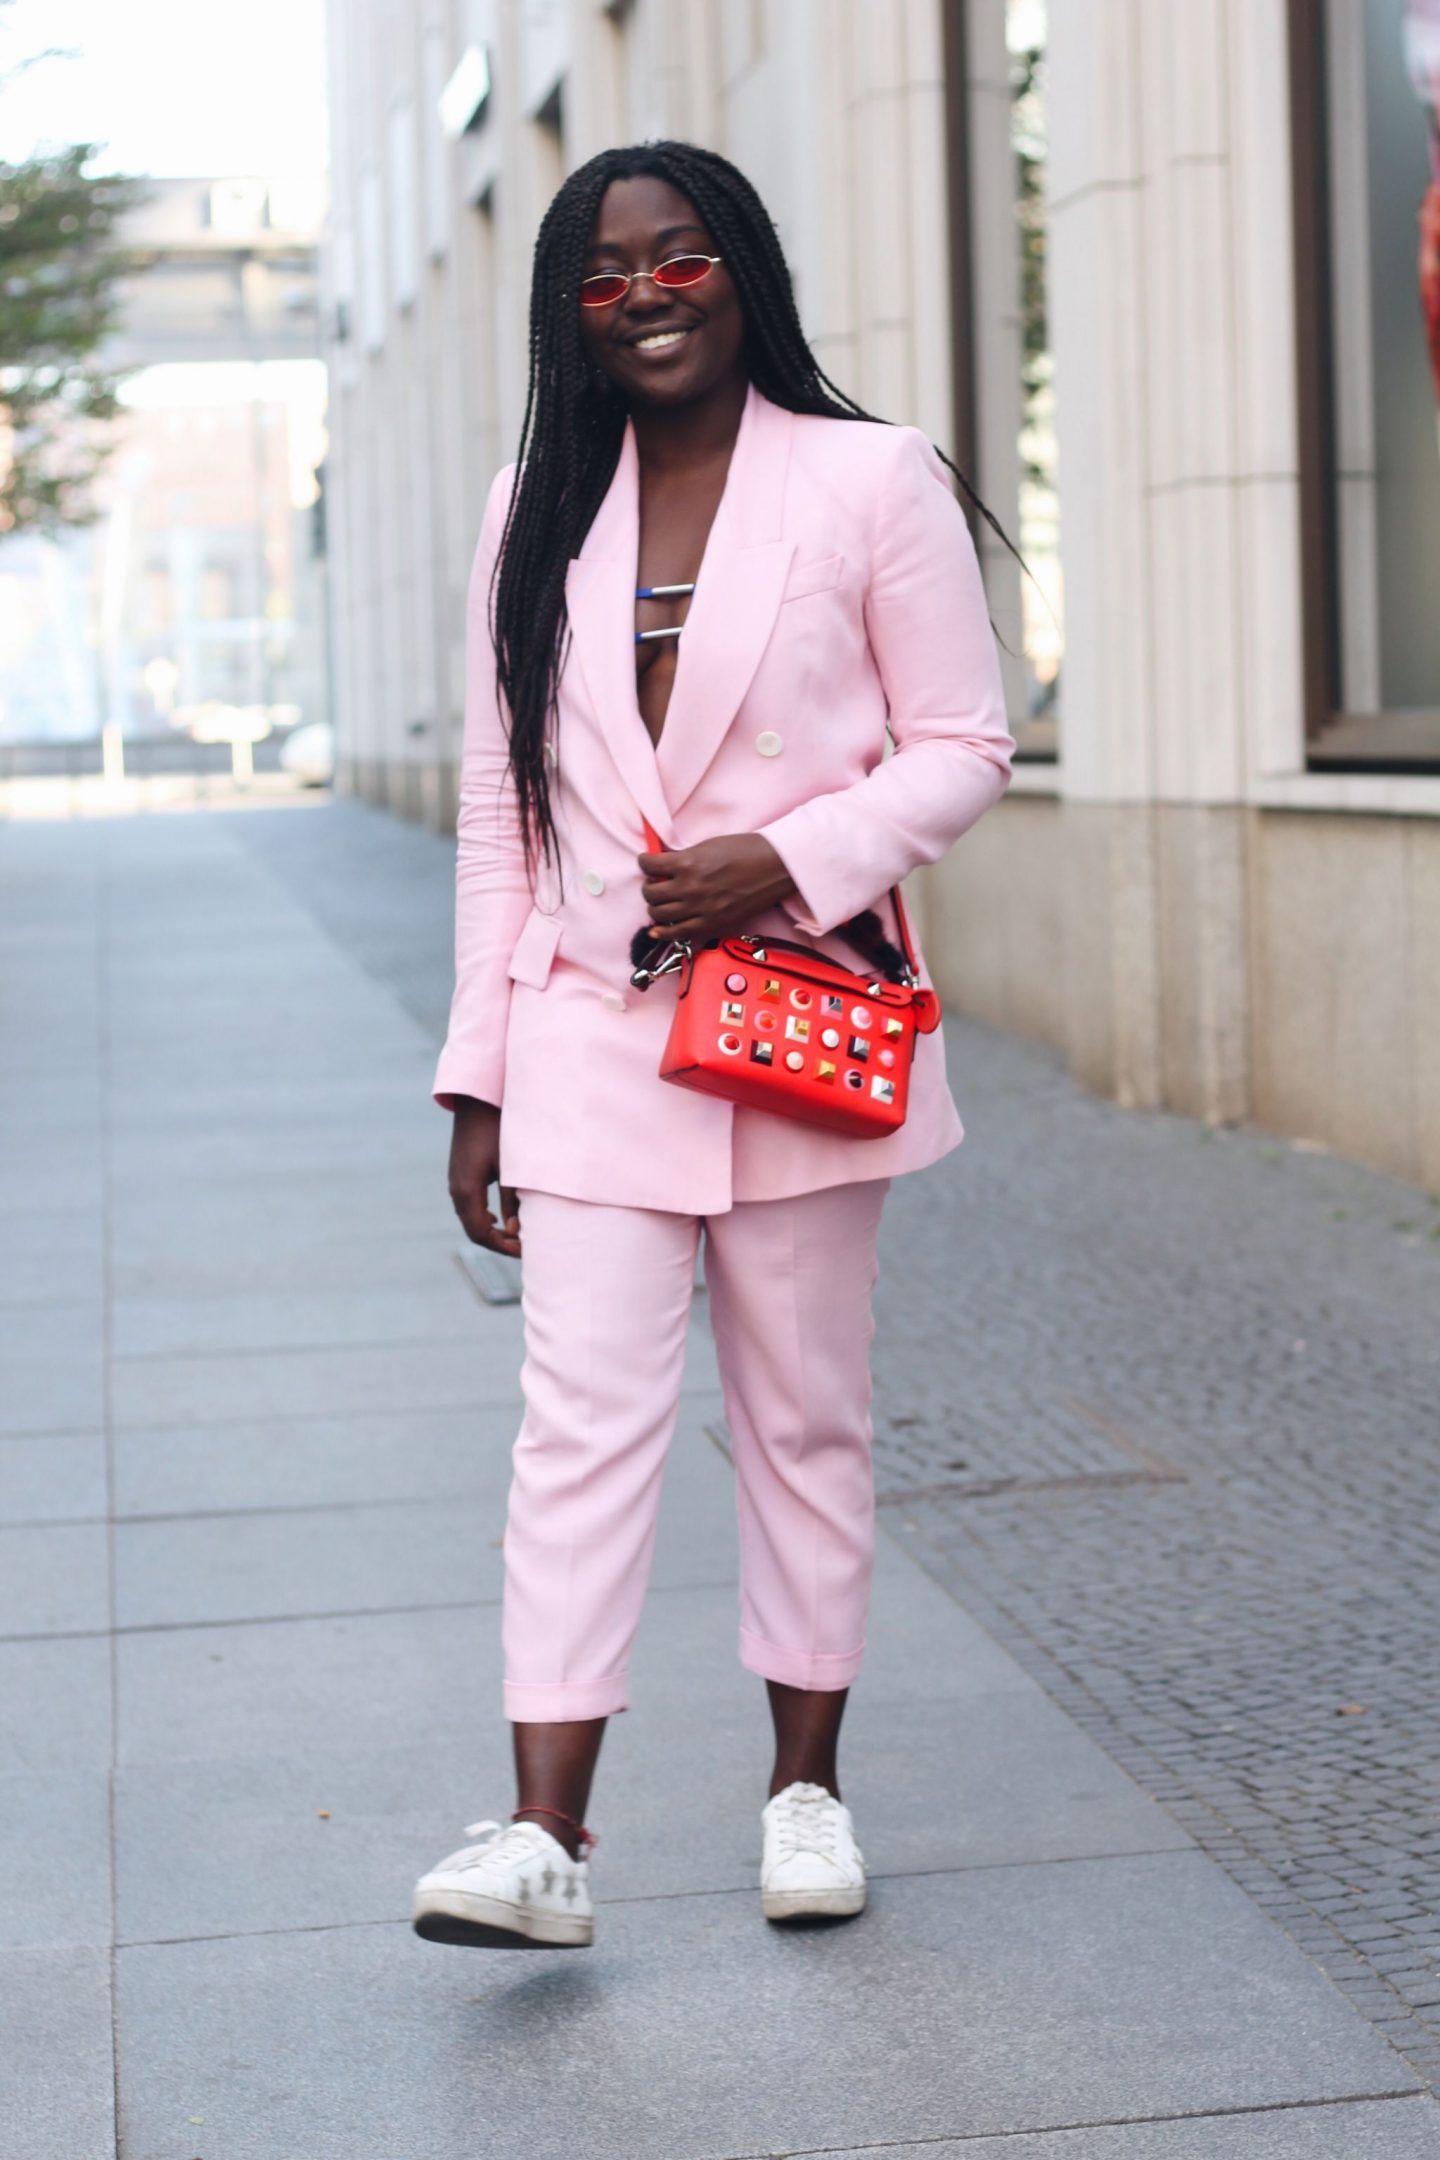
{"points": [[1159, 225]]}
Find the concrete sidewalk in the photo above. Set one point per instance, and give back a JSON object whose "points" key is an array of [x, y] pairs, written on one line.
{"points": [[256, 1425]]}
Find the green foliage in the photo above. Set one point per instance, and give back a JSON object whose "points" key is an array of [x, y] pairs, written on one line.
{"points": [[60, 266]]}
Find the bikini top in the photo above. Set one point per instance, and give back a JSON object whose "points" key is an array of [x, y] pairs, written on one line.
{"points": [[661, 592]]}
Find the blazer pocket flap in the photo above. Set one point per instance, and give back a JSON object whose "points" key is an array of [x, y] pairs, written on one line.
{"points": [[813, 577], [535, 950]]}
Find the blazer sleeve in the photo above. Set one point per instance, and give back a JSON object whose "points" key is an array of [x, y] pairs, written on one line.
{"points": [[929, 629], [492, 883]]}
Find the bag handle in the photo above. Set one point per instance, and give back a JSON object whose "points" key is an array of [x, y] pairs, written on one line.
{"points": [[655, 846]]}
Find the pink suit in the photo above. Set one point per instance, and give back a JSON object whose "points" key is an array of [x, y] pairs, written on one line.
{"points": [[838, 593]]}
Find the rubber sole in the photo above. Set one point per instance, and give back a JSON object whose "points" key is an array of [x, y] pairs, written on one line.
{"points": [[812, 1904], [481, 1923]]}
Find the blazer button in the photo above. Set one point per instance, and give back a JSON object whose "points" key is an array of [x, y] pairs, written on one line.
{"points": [[769, 744], [593, 882], [612, 1001]]}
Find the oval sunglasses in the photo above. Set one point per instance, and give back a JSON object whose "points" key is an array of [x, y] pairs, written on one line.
{"points": [[673, 275]]}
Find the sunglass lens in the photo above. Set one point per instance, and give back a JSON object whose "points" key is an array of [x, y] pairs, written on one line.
{"points": [[682, 270], [603, 290]]}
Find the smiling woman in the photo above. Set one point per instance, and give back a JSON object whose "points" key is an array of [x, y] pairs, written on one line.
{"points": [[705, 592]]}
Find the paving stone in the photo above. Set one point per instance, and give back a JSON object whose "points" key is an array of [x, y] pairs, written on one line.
{"points": [[53, 1477], [190, 1263], [986, 2001], [52, 1392], [1374, 2130], [316, 1462], [47, 1257], [64, 1175], [227, 1387], [56, 2075], [442, 1307], [54, 1579], [55, 1858], [311, 1560], [55, 1711], [405, 1137]]}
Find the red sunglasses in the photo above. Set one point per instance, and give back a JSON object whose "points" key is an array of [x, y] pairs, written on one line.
{"points": [[608, 286]]}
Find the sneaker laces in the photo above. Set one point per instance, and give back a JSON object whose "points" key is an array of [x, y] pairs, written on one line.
{"points": [[806, 1818], [491, 1846]]}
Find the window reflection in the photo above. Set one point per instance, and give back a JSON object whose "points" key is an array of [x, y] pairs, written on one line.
{"points": [[1383, 125]]}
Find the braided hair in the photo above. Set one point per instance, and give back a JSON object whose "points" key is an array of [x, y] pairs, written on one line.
{"points": [[575, 420]]}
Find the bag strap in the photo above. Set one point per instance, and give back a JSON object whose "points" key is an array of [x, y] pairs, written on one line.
{"points": [[656, 846]]}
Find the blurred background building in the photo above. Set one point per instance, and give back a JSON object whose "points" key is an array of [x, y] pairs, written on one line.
{"points": [[1152, 271], [1165, 278], [197, 595], [192, 608]]}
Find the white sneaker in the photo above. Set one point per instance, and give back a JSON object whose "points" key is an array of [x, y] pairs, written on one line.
{"points": [[516, 1886], [812, 1864]]}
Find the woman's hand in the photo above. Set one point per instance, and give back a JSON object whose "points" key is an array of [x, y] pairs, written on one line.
{"points": [[474, 1168], [707, 891]]}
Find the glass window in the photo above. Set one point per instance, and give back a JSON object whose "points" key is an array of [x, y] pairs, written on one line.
{"points": [[1038, 508], [996, 62], [1380, 175]]}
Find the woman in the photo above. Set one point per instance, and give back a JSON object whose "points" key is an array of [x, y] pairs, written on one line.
{"points": [[699, 594]]}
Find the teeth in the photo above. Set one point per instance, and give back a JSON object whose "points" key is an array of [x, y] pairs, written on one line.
{"points": [[661, 337]]}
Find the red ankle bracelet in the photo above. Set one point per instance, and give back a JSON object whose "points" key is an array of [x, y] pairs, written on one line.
{"points": [[588, 1839]]}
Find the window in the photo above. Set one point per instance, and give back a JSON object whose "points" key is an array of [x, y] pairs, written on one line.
{"points": [[996, 93], [1366, 132], [1039, 496]]}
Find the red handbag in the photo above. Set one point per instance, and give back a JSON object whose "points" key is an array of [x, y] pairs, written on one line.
{"points": [[781, 1027]]}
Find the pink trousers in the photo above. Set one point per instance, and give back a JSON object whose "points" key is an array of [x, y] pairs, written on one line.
{"points": [[606, 1300]]}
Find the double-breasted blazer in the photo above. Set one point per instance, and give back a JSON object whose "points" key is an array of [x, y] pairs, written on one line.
{"points": [[838, 599]]}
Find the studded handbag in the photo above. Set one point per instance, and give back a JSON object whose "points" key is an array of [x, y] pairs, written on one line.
{"points": [[781, 1027]]}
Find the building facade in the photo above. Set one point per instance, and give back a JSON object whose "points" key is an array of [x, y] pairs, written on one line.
{"points": [[1150, 268]]}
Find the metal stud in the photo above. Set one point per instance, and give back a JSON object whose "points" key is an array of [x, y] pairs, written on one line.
{"points": [[797, 1030], [770, 988], [830, 1037], [858, 1047], [762, 1053], [894, 1027], [795, 1060], [832, 1004], [732, 1010], [825, 1070], [882, 1089]]}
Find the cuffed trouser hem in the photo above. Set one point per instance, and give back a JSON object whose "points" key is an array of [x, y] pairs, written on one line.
{"points": [[543, 1703], [798, 1668]]}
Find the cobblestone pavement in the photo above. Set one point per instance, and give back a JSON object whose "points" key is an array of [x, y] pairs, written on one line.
{"points": [[1160, 1406], [1206, 1514]]}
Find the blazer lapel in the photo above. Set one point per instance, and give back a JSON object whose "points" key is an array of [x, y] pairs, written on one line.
{"points": [[600, 604], [737, 597]]}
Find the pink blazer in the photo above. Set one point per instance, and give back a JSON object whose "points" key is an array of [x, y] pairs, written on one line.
{"points": [[839, 591]]}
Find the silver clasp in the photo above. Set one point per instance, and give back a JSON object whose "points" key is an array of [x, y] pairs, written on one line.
{"points": [[672, 958]]}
